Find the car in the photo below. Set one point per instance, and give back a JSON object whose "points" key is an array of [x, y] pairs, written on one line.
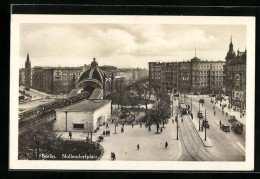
{"points": [[205, 124], [220, 98], [200, 115], [201, 101], [225, 127], [176, 95]]}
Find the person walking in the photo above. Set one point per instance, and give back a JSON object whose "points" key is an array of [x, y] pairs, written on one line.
{"points": [[107, 125], [182, 119], [214, 113], [220, 123], [70, 134], [138, 147], [132, 124], [166, 144]]}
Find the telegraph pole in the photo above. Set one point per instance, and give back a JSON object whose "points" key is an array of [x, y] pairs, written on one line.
{"points": [[205, 126]]}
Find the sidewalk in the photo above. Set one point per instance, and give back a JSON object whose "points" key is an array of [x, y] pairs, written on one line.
{"points": [[231, 112], [201, 134]]}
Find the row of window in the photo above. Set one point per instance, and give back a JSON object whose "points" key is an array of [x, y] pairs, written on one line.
{"points": [[236, 68]]}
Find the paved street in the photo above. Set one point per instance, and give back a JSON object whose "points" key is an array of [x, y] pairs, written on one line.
{"points": [[225, 145]]}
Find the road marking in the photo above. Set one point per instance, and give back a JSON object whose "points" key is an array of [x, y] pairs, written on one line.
{"points": [[240, 146]]}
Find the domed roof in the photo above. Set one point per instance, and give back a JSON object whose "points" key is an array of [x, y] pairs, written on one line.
{"points": [[94, 73]]}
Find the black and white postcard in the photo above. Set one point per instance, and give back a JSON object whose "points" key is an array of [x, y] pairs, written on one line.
{"points": [[91, 92]]}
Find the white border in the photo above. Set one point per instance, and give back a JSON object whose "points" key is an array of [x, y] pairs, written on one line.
{"points": [[14, 163]]}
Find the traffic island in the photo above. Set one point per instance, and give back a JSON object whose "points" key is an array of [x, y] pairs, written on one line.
{"points": [[207, 142]]}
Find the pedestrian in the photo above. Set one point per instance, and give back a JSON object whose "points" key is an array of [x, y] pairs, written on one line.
{"points": [[182, 119], [220, 123], [149, 128], [161, 129], [70, 134], [107, 125], [214, 113], [122, 130], [226, 114], [166, 144], [132, 124], [112, 121], [140, 124], [138, 147]]}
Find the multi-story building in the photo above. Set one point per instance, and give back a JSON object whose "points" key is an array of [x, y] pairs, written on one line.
{"points": [[235, 77], [187, 76], [184, 77], [131, 75], [155, 81], [52, 80], [21, 77]]}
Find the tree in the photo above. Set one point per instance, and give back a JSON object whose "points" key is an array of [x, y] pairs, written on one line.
{"points": [[154, 118], [41, 140], [115, 116], [162, 112]]}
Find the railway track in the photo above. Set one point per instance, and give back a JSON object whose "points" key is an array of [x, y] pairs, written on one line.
{"points": [[25, 128]]}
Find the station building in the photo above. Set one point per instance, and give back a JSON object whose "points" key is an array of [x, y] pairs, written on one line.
{"points": [[83, 116]]}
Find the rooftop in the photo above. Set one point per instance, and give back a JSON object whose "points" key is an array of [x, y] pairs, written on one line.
{"points": [[86, 106]]}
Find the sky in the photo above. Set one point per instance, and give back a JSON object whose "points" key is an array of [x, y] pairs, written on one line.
{"points": [[125, 45]]}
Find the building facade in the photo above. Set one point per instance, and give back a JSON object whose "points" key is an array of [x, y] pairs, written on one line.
{"points": [[194, 76], [85, 116], [235, 77]]}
